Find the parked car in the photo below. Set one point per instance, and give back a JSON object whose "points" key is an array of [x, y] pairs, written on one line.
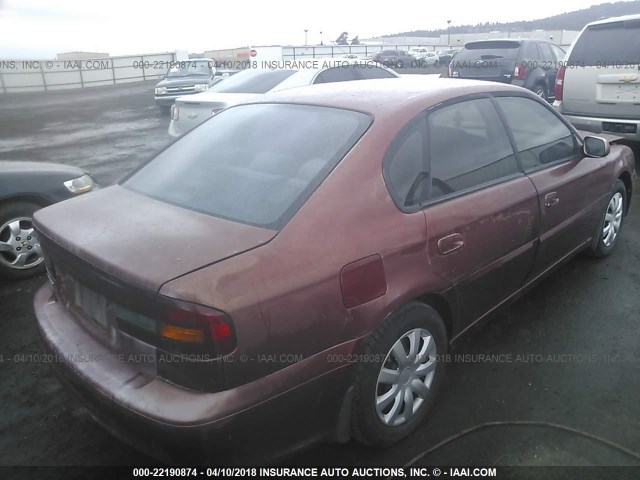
{"points": [[185, 78], [427, 59], [393, 58], [222, 74], [190, 112], [528, 63], [445, 56], [24, 188], [598, 86], [419, 53], [308, 258]]}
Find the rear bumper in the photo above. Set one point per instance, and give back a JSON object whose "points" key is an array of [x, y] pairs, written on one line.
{"points": [[254, 422], [596, 124]]}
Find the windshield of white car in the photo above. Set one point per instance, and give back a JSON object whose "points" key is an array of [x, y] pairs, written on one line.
{"points": [[252, 81]]}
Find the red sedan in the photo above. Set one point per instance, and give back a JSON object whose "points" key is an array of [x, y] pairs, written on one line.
{"points": [[294, 269]]}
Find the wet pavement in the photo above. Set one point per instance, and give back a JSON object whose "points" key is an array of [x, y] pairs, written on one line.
{"points": [[565, 357]]}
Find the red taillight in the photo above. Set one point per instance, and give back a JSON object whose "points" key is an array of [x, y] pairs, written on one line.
{"points": [[559, 90], [194, 324], [519, 72], [175, 112], [451, 69]]}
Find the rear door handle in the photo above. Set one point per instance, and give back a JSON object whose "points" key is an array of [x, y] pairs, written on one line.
{"points": [[551, 199], [450, 243]]}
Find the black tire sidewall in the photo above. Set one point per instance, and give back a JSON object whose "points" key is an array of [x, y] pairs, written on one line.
{"points": [[9, 211], [368, 427]]}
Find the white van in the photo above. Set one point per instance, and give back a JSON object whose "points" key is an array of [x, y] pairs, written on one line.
{"points": [[598, 84]]}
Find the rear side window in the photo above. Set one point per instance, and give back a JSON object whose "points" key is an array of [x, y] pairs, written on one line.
{"points": [[252, 81], [254, 164], [541, 138], [369, 71], [337, 74], [489, 50], [558, 52], [547, 54], [468, 147], [406, 159], [530, 51], [609, 44]]}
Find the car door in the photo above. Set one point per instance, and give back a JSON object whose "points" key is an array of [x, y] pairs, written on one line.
{"points": [[570, 193], [481, 210]]}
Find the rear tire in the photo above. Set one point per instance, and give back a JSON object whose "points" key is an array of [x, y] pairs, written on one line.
{"points": [[388, 379], [611, 223], [18, 215], [540, 91]]}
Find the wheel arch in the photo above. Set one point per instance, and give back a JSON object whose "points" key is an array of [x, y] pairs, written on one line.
{"points": [[26, 197], [625, 177]]}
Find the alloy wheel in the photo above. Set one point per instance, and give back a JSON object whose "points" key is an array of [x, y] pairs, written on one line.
{"points": [[19, 246]]}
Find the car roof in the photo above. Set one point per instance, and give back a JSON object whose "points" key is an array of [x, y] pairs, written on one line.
{"points": [[635, 16], [386, 96]]}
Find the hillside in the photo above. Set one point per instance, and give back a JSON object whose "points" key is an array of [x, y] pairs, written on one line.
{"points": [[565, 21]]}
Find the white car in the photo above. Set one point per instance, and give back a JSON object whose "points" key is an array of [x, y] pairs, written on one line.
{"points": [[598, 83], [421, 53], [189, 112]]}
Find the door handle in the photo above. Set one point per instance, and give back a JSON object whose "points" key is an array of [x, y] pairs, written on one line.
{"points": [[450, 243], [551, 199]]}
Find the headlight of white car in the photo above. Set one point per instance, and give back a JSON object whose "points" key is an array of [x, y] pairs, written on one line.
{"points": [[80, 185], [201, 87], [161, 91]]}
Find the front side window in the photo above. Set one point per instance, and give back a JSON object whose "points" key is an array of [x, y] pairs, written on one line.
{"points": [[540, 136], [254, 164], [468, 147]]}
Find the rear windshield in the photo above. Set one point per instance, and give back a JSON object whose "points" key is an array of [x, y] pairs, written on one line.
{"points": [[253, 164], [610, 44], [252, 81], [489, 50]]}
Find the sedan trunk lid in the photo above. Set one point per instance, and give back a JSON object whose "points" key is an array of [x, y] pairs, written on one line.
{"points": [[143, 241]]}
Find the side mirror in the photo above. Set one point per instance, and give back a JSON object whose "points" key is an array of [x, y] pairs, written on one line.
{"points": [[596, 147]]}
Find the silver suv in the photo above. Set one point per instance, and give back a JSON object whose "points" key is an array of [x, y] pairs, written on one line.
{"points": [[598, 86]]}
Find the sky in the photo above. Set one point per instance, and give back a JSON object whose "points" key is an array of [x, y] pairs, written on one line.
{"points": [[41, 28]]}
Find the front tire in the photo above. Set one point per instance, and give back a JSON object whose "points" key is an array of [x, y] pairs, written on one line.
{"points": [[610, 225], [20, 255], [399, 376]]}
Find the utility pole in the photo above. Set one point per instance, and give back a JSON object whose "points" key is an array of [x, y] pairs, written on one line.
{"points": [[449, 33], [305, 36]]}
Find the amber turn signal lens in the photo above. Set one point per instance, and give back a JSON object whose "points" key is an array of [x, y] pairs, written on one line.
{"points": [[189, 335]]}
